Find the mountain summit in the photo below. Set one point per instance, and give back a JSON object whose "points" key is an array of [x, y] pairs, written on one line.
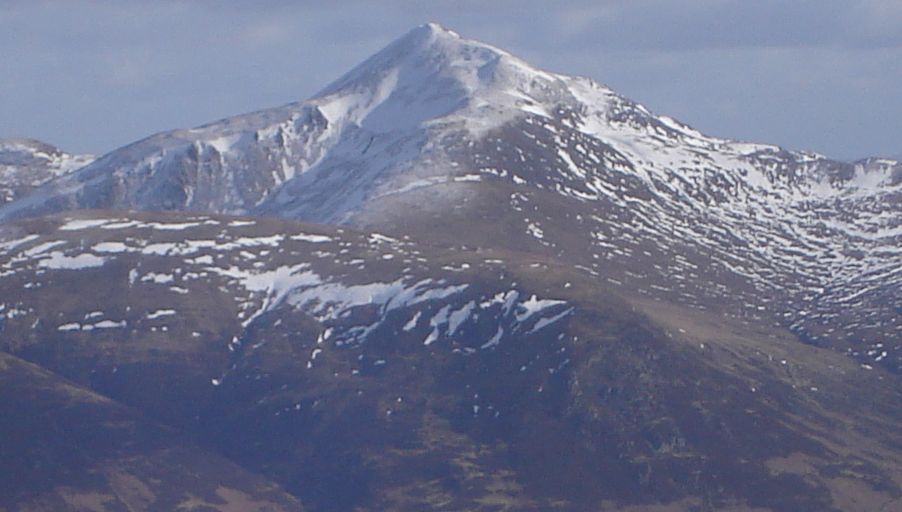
{"points": [[381, 120], [428, 75]]}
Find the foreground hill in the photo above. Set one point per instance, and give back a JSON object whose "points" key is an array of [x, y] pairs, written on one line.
{"points": [[364, 372], [73, 449]]}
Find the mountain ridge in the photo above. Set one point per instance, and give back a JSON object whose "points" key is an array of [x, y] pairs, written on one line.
{"points": [[477, 81], [26, 164]]}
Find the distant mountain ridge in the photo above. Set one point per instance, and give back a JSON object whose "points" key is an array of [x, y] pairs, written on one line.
{"points": [[26, 164], [391, 124]]}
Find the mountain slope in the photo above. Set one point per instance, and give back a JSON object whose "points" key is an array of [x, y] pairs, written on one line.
{"points": [[363, 372], [72, 449], [536, 294]]}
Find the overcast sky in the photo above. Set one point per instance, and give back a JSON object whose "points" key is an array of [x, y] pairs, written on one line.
{"points": [[823, 75]]}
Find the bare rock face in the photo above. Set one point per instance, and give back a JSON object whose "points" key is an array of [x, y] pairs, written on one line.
{"points": [[525, 292]]}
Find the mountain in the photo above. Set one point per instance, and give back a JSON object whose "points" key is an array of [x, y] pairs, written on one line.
{"points": [[406, 118], [524, 292], [26, 164], [363, 372], [439, 130]]}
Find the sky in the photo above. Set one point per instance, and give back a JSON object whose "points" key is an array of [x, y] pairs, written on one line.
{"points": [[819, 75]]}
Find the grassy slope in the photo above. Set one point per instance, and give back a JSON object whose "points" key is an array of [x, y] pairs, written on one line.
{"points": [[639, 404]]}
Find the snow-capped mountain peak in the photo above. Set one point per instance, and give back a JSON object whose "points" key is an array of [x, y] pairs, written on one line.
{"points": [[531, 258], [374, 131], [432, 75]]}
